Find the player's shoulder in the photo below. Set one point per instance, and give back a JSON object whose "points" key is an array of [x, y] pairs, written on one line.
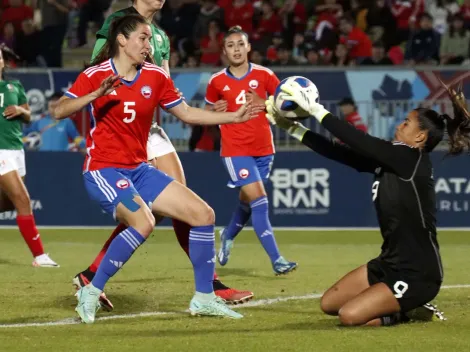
{"points": [[220, 75], [160, 32], [103, 32], [150, 68], [98, 70], [258, 69], [15, 82]]}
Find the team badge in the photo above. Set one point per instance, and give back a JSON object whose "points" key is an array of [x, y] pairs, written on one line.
{"points": [[159, 38], [9, 86], [122, 184], [146, 91], [244, 173], [253, 84]]}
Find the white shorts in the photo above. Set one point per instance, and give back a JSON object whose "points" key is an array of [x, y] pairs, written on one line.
{"points": [[11, 160], [159, 144]]}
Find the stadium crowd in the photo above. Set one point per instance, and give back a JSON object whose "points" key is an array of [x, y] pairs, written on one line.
{"points": [[283, 32]]}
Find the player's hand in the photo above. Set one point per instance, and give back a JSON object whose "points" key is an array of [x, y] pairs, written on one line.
{"points": [[247, 112], [12, 111], [254, 98], [275, 118], [220, 106], [109, 85], [303, 97]]}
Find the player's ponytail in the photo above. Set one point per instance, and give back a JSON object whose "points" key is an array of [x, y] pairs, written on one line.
{"points": [[124, 25]]}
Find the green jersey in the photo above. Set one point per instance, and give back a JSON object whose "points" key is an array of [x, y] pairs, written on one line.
{"points": [[160, 44], [11, 131]]}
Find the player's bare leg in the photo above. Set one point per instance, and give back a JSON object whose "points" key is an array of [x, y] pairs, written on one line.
{"points": [[171, 165], [179, 202], [254, 194], [348, 287], [13, 192]]}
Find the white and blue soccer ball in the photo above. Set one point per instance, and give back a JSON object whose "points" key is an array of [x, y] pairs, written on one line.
{"points": [[289, 109]]}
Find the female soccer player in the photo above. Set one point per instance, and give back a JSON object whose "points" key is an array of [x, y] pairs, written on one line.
{"points": [[15, 111], [408, 272], [161, 152], [247, 149], [122, 93]]}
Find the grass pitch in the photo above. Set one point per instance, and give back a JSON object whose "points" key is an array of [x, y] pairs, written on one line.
{"points": [[158, 282]]}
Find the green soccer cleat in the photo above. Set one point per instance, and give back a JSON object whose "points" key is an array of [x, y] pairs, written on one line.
{"points": [[88, 303], [215, 307]]}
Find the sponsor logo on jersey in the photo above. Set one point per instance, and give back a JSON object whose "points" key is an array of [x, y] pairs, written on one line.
{"points": [[122, 184], [159, 38], [146, 91], [253, 84], [244, 173], [226, 88]]}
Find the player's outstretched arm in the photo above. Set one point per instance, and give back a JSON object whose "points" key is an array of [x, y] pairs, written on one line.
{"points": [[22, 111], [66, 106], [319, 143], [401, 159], [196, 116]]}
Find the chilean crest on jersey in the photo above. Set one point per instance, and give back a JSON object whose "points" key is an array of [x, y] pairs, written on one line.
{"points": [[146, 91], [253, 84]]}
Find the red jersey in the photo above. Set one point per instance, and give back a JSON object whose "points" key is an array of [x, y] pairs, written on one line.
{"points": [[253, 137], [359, 43], [121, 120]]}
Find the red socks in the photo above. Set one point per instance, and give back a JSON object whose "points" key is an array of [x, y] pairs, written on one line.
{"points": [[30, 233]]}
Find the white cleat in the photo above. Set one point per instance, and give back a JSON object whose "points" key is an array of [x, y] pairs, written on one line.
{"points": [[44, 261]]}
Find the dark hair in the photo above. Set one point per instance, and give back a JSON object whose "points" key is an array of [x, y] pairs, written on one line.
{"points": [[458, 126], [426, 15], [235, 30], [461, 31], [348, 19], [124, 25]]}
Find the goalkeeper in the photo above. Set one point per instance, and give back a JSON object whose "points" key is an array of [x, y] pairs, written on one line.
{"points": [[408, 272]]}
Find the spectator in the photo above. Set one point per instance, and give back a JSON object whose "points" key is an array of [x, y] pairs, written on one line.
{"points": [[30, 49], [356, 41], [313, 57], [8, 35], [341, 57], [294, 19], [211, 45], [54, 15], [465, 12], [56, 135], [16, 14], [204, 139], [406, 12], [240, 13], [441, 10], [210, 11], [298, 50], [423, 46], [91, 11], [277, 41], [269, 22], [191, 62], [378, 56], [380, 18], [257, 58], [175, 59], [455, 43], [349, 111], [284, 57]]}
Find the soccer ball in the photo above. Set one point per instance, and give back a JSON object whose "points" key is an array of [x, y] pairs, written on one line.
{"points": [[289, 109], [32, 141]]}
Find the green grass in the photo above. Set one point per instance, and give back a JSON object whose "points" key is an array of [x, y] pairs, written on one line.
{"points": [[159, 278]]}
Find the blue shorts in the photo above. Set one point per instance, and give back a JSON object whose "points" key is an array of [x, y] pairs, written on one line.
{"points": [[244, 170], [111, 186]]}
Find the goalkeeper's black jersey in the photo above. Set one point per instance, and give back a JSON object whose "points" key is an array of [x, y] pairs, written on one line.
{"points": [[403, 194]]}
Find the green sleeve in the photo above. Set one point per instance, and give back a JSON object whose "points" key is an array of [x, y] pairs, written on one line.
{"points": [[98, 46], [166, 48], [22, 99]]}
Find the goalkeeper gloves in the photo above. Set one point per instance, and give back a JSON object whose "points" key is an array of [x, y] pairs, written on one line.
{"points": [[302, 96], [295, 129]]}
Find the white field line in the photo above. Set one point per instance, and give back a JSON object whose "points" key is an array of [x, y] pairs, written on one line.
{"points": [[256, 303]]}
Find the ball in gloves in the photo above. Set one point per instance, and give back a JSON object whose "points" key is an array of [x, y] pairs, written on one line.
{"points": [[290, 109]]}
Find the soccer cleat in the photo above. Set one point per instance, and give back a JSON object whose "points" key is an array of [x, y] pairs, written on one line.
{"points": [[215, 307], [231, 295], [427, 312], [88, 303], [225, 247], [282, 266], [44, 261], [84, 278]]}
